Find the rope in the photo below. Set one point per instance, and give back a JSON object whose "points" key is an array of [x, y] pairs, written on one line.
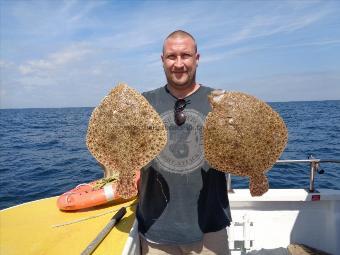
{"points": [[88, 218]]}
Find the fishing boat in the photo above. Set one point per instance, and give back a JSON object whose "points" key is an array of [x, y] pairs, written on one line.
{"points": [[304, 220]]}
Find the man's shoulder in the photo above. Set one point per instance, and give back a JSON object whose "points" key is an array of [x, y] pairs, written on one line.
{"points": [[206, 89], [152, 93]]}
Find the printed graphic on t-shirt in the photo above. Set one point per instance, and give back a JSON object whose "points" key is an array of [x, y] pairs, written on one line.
{"points": [[184, 151]]}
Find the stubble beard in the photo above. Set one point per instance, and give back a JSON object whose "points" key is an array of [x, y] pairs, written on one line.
{"points": [[191, 81]]}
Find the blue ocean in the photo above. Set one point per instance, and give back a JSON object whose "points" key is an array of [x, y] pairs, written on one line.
{"points": [[43, 151]]}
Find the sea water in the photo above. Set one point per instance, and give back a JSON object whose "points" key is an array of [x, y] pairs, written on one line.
{"points": [[43, 151]]}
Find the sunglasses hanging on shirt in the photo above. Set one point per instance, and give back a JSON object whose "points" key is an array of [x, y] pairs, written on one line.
{"points": [[180, 116]]}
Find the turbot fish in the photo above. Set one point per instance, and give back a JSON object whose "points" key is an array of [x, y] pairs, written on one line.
{"points": [[124, 134], [243, 136]]}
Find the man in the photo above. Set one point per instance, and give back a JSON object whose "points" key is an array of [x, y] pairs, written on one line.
{"points": [[183, 204]]}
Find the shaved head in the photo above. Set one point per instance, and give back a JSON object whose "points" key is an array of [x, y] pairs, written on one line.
{"points": [[180, 34]]}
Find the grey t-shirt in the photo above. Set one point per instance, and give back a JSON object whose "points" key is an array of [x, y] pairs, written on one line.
{"points": [[181, 196]]}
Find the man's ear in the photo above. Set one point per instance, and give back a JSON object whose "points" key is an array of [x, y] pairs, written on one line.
{"points": [[162, 58], [197, 58]]}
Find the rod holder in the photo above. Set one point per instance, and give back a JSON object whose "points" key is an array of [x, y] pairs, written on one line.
{"points": [[313, 168], [229, 187]]}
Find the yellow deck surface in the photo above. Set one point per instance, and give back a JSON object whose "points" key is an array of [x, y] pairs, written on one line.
{"points": [[31, 229]]}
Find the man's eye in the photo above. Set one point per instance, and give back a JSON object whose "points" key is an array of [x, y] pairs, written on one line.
{"points": [[186, 56], [171, 57]]}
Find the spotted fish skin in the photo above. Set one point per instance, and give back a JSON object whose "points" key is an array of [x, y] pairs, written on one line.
{"points": [[124, 134], [243, 136]]}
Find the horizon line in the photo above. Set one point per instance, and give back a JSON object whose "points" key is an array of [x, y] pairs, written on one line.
{"points": [[67, 107]]}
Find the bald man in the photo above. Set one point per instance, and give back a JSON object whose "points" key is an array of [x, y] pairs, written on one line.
{"points": [[183, 202]]}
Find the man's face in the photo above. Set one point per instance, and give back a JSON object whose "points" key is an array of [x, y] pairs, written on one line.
{"points": [[180, 60]]}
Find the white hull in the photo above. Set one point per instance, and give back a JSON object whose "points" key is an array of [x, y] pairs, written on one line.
{"points": [[276, 219]]}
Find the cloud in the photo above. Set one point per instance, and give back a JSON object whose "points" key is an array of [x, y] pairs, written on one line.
{"points": [[307, 44], [5, 64], [305, 86], [228, 54], [55, 60], [87, 8], [71, 53], [264, 25]]}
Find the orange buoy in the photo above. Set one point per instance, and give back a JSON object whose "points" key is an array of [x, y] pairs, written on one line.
{"points": [[86, 195]]}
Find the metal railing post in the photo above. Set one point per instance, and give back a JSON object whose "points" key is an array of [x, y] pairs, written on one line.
{"points": [[311, 176], [229, 188]]}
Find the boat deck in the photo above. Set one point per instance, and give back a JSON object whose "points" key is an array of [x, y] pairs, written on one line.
{"points": [[285, 216], [40, 228], [261, 225], [267, 225]]}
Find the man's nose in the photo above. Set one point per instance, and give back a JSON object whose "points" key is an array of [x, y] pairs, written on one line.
{"points": [[179, 62]]}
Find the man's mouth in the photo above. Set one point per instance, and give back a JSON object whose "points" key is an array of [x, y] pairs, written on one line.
{"points": [[179, 75]]}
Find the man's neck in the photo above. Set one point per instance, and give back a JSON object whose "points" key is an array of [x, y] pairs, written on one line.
{"points": [[183, 92]]}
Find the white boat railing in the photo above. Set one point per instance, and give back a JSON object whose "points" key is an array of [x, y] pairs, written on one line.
{"points": [[270, 223], [314, 168]]}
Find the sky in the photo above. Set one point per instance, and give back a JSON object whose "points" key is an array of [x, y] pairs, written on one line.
{"points": [[72, 53]]}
